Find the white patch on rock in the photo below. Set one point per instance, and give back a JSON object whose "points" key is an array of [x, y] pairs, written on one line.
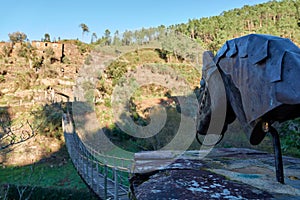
{"points": [[216, 195], [226, 192], [217, 185], [155, 191], [194, 189], [195, 183]]}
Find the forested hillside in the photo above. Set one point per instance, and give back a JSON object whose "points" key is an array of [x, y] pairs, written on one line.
{"points": [[279, 18], [276, 18]]}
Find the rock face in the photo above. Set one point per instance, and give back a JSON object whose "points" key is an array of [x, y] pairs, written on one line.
{"points": [[224, 174]]}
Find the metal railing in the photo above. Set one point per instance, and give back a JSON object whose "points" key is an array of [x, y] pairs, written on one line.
{"points": [[105, 179]]}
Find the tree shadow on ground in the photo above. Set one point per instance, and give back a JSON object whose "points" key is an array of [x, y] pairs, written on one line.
{"points": [[39, 166]]}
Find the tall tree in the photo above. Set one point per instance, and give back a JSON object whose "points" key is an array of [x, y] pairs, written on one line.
{"points": [[107, 37], [85, 29], [297, 12], [94, 37], [116, 39], [191, 28], [47, 37], [127, 38]]}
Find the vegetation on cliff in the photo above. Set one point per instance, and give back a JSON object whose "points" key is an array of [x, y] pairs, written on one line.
{"points": [[29, 114]]}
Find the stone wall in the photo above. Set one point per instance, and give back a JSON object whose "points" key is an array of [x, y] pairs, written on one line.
{"points": [[58, 48], [41, 47], [71, 51]]}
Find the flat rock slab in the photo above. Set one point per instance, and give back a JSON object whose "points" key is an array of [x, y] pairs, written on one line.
{"points": [[225, 173], [195, 184]]}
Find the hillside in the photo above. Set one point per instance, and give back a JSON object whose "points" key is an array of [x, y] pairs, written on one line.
{"points": [[159, 82], [31, 141], [280, 18], [35, 80]]}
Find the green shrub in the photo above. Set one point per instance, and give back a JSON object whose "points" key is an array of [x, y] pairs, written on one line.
{"points": [[37, 62], [25, 50], [23, 80], [49, 52], [88, 60], [116, 70], [82, 47], [107, 102], [89, 95], [290, 137], [48, 120], [104, 87], [50, 73], [2, 78], [6, 51], [66, 60]]}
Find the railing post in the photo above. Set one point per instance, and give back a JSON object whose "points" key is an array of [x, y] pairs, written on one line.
{"points": [[86, 163], [97, 175], [116, 184], [92, 168], [92, 180], [105, 181]]}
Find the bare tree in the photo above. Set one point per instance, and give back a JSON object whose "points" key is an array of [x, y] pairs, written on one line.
{"points": [[22, 189], [4, 189]]}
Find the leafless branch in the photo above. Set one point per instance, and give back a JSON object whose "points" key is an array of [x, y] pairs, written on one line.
{"points": [[12, 138], [28, 187]]}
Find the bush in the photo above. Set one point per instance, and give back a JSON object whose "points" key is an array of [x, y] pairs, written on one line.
{"points": [[2, 78], [50, 73], [6, 51], [66, 60], [23, 81], [88, 60], [49, 52], [290, 137], [37, 62], [116, 70], [48, 120], [103, 87], [107, 102], [82, 47], [24, 51]]}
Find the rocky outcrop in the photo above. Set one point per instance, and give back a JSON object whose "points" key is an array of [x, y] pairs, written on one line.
{"points": [[226, 173]]}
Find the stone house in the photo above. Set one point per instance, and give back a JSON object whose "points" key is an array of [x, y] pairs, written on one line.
{"points": [[40, 49], [58, 49]]}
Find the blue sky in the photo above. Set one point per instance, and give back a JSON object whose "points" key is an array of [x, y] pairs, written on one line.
{"points": [[61, 18]]}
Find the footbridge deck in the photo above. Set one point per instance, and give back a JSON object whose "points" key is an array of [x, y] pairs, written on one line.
{"points": [[107, 181]]}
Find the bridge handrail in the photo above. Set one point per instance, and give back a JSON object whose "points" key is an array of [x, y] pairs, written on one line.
{"points": [[93, 154], [87, 164]]}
